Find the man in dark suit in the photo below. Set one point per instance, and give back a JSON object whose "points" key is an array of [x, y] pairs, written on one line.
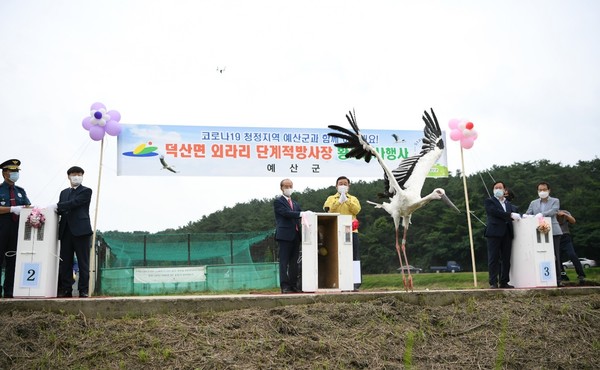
{"points": [[499, 234], [287, 234], [74, 232]]}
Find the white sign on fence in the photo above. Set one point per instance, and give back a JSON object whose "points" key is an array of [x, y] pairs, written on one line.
{"points": [[155, 275]]}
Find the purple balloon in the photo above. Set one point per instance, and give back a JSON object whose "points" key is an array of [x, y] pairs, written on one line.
{"points": [[97, 133], [86, 123], [114, 115], [113, 128], [97, 106]]}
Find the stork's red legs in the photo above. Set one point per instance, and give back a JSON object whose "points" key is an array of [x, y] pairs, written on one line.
{"points": [[410, 279], [408, 283]]}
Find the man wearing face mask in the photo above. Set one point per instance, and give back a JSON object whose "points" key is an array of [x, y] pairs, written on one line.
{"points": [[499, 235], [287, 234], [344, 203], [12, 199], [547, 206], [74, 232]]}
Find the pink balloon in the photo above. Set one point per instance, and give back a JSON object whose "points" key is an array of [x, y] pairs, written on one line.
{"points": [[113, 128], [453, 123], [97, 106], [114, 115], [97, 133], [467, 143], [86, 123], [456, 135], [473, 134]]}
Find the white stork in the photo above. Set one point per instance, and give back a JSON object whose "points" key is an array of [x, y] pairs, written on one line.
{"points": [[165, 166], [402, 185]]}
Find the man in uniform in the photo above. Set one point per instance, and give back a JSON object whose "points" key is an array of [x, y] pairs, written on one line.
{"points": [[12, 200]]}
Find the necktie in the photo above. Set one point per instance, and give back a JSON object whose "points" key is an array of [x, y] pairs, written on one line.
{"points": [[292, 207], [13, 201]]}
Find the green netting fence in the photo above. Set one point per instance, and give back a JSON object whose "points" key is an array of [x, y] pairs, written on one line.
{"points": [[152, 264]]}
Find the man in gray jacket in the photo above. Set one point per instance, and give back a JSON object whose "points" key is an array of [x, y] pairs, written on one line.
{"points": [[548, 207]]}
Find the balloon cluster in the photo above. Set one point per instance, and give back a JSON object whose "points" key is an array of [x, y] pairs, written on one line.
{"points": [[462, 130], [101, 121]]}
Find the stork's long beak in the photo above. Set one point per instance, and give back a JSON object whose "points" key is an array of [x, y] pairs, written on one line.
{"points": [[448, 202]]}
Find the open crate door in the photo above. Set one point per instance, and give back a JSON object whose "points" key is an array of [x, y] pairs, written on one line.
{"points": [[327, 253]]}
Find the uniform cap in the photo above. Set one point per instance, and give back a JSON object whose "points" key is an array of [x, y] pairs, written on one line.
{"points": [[11, 164]]}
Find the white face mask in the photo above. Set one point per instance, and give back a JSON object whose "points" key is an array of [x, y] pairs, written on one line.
{"points": [[543, 194], [76, 180], [342, 189], [498, 193], [288, 192], [13, 176]]}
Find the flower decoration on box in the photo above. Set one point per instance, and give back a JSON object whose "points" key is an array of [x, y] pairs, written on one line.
{"points": [[543, 225], [101, 121], [36, 218]]}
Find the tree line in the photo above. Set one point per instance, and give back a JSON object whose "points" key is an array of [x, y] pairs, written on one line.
{"points": [[437, 233]]}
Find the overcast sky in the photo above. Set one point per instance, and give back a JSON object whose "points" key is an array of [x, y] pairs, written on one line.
{"points": [[524, 72]]}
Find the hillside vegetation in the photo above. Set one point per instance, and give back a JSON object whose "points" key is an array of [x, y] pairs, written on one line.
{"points": [[437, 233]]}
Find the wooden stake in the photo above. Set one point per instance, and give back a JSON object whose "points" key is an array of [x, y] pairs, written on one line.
{"points": [[93, 260], [462, 160]]}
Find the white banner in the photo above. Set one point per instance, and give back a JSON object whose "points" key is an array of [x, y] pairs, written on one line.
{"points": [[160, 150]]}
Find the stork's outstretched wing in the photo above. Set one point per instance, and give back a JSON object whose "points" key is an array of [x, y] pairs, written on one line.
{"points": [[432, 133], [412, 172], [360, 148], [353, 140]]}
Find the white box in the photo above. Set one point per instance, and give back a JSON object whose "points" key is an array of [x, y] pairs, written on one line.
{"points": [[38, 254], [335, 269], [532, 259]]}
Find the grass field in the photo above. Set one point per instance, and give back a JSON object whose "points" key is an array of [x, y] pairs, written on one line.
{"points": [[458, 280]]}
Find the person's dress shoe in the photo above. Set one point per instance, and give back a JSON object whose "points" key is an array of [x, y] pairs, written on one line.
{"points": [[493, 286], [83, 295], [64, 295], [506, 286], [287, 291]]}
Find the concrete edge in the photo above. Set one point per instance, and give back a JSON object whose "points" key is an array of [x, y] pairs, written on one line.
{"points": [[119, 307]]}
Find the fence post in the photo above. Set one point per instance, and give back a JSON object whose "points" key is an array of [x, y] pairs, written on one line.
{"points": [[189, 250], [231, 247]]}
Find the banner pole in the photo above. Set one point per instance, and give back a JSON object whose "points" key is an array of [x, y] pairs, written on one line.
{"points": [[462, 160]]}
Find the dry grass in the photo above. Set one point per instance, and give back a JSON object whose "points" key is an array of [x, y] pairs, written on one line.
{"points": [[539, 332]]}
